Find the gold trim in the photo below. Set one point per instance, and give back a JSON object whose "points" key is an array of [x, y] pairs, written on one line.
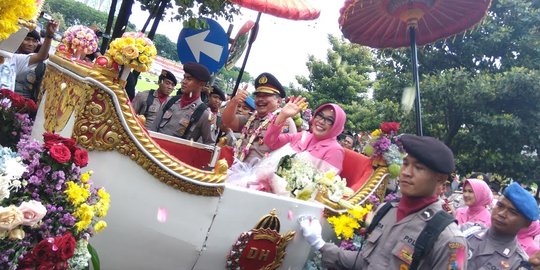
{"points": [[98, 128], [376, 184]]}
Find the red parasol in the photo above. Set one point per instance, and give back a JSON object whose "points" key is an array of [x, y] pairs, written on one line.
{"points": [[400, 23], [288, 9]]}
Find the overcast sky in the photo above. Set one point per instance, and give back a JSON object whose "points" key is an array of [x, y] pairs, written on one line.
{"points": [[282, 46]]}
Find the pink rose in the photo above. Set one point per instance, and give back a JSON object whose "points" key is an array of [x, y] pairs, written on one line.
{"points": [[33, 212]]}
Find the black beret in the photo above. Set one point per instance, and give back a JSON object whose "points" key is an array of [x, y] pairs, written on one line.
{"points": [[429, 151], [214, 89], [197, 70], [34, 34], [165, 74], [267, 83]]}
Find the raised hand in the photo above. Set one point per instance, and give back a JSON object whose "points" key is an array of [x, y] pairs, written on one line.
{"points": [[294, 106], [311, 230], [241, 95]]}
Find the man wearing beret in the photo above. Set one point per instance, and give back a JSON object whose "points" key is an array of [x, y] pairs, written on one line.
{"points": [[268, 94], [150, 103], [393, 239], [188, 117], [215, 98], [498, 247]]}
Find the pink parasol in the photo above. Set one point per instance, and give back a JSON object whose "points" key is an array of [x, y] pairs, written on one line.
{"points": [[288, 9], [400, 23]]}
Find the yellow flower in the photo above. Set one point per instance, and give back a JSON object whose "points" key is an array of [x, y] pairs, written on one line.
{"points": [[376, 133], [304, 194], [84, 214], [11, 12], [86, 176], [76, 194], [144, 59], [344, 226], [100, 225], [130, 52]]}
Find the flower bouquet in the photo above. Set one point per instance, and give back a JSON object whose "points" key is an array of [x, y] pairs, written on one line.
{"points": [[15, 121], [50, 210], [133, 51], [302, 176], [384, 148], [80, 41]]}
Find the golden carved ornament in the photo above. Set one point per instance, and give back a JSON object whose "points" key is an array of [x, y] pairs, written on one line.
{"points": [[98, 127], [376, 184]]}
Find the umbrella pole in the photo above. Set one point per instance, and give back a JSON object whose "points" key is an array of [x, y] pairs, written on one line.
{"points": [[416, 78], [250, 43]]}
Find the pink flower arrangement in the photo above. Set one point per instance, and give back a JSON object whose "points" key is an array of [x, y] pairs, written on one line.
{"points": [[80, 38]]}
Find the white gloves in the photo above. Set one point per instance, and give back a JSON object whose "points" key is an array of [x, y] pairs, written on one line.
{"points": [[311, 230]]}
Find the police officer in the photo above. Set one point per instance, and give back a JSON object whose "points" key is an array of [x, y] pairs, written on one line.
{"points": [[391, 244], [188, 117], [215, 97], [150, 103], [498, 247], [268, 96]]}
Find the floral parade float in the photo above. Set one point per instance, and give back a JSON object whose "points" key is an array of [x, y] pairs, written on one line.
{"points": [[172, 207]]}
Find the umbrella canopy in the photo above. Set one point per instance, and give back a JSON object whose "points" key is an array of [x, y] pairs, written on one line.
{"points": [[288, 9], [385, 23]]}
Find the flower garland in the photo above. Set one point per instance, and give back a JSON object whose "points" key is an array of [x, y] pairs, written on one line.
{"points": [[80, 38], [241, 152], [133, 49], [11, 12]]}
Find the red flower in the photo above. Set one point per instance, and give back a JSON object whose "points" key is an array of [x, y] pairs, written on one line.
{"points": [[46, 266], [44, 252], [17, 101], [390, 127], [66, 246], [60, 153], [51, 139], [6, 93], [31, 106], [80, 157], [27, 261]]}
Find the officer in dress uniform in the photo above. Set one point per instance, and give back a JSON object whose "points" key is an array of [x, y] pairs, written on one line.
{"points": [[151, 106], [391, 244], [268, 96], [497, 248], [177, 120], [215, 98]]}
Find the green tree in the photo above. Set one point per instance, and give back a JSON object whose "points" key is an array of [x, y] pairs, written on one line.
{"points": [[479, 91], [165, 47]]}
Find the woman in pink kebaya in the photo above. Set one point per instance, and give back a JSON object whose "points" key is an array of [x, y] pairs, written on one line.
{"points": [[321, 141], [477, 197]]}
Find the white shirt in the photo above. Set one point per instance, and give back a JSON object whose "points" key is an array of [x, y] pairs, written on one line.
{"points": [[13, 64]]}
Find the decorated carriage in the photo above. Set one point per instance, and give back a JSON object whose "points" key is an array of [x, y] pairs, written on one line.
{"points": [[171, 206]]}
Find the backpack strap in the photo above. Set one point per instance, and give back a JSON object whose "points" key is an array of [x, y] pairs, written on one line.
{"points": [[149, 100], [377, 218], [194, 118], [429, 235], [171, 101]]}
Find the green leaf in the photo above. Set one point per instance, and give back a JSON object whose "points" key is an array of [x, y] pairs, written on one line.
{"points": [[95, 257]]}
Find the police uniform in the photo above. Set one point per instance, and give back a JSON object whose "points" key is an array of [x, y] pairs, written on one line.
{"points": [[488, 250], [175, 121], [139, 106], [139, 102], [391, 245], [264, 83]]}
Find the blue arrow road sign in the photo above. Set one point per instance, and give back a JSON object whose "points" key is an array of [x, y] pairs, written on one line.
{"points": [[208, 46]]}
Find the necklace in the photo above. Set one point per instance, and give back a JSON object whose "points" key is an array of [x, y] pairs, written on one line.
{"points": [[241, 152]]}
